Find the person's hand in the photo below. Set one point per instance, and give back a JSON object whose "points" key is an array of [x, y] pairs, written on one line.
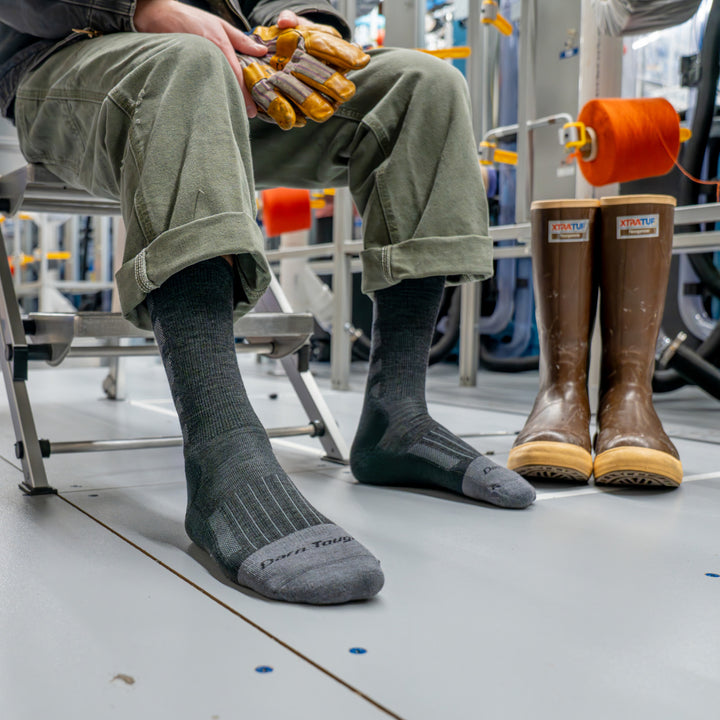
{"points": [[288, 19], [171, 16]]}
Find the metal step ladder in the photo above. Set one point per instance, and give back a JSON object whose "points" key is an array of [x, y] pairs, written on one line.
{"points": [[272, 329]]}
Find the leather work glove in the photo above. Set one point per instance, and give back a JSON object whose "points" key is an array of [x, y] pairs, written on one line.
{"points": [[283, 98], [272, 101], [289, 48], [303, 74]]}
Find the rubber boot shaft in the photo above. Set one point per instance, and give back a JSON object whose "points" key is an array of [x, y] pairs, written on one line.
{"points": [[636, 244], [555, 441]]}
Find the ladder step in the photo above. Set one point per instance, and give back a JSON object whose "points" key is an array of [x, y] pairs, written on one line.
{"points": [[51, 335], [313, 429]]}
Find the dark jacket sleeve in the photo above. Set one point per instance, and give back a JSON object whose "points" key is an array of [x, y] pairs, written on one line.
{"points": [[53, 19], [265, 12]]}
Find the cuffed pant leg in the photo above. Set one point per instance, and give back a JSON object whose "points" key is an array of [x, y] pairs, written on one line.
{"points": [[405, 146], [158, 122]]}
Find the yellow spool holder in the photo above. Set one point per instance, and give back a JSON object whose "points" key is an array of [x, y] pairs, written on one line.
{"points": [[490, 154], [577, 136], [489, 15]]}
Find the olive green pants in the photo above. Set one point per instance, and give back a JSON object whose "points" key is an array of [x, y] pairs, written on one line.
{"points": [[158, 122]]}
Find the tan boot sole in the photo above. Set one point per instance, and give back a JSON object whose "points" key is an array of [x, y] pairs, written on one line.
{"points": [[551, 461], [637, 466]]}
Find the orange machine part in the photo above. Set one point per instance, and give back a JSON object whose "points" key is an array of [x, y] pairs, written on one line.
{"points": [[285, 210]]}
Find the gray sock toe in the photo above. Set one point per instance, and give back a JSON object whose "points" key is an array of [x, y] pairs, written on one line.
{"points": [[321, 565], [492, 483]]}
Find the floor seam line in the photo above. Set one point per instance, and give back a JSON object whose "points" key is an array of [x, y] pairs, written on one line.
{"points": [[235, 612], [88, 488]]}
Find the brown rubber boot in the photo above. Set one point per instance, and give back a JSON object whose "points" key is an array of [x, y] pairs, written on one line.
{"points": [[555, 442], [636, 243]]}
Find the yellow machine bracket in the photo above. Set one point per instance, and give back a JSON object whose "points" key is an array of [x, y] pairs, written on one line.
{"points": [[489, 15], [490, 154]]}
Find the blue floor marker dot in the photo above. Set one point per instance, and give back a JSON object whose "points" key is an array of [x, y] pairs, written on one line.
{"points": [[358, 651], [712, 575], [263, 669]]}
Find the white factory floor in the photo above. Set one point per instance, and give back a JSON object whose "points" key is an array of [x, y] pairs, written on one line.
{"points": [[590, 604]]}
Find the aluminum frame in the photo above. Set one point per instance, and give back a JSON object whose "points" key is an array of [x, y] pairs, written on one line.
{"points": [[275, 331]]}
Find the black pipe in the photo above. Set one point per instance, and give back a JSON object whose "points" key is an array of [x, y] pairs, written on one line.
{"points": [[361, 346], [508, 365], [446, 343], [693, 151], [692, 158], [702, 264], [666, 380], [691, 366]]}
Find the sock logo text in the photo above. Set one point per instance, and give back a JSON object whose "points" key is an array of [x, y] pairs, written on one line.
{"points": [[305, 548]]}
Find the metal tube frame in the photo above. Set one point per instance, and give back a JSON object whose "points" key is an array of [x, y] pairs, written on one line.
{"points": [[340, 342], [14, 367], [45, 196], [399, 32], [480, 83], [57, 448], [305, 386], [85, 351]]}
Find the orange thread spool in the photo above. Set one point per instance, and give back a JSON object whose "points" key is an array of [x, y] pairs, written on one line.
{"points": [[636, 138], [286, 210]]}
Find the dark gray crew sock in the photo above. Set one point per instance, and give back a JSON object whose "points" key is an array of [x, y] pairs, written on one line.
{"points": [[242, 507], [397, 442]]}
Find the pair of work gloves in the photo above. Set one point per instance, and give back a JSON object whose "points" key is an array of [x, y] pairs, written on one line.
{"points": [[303, 74]]}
